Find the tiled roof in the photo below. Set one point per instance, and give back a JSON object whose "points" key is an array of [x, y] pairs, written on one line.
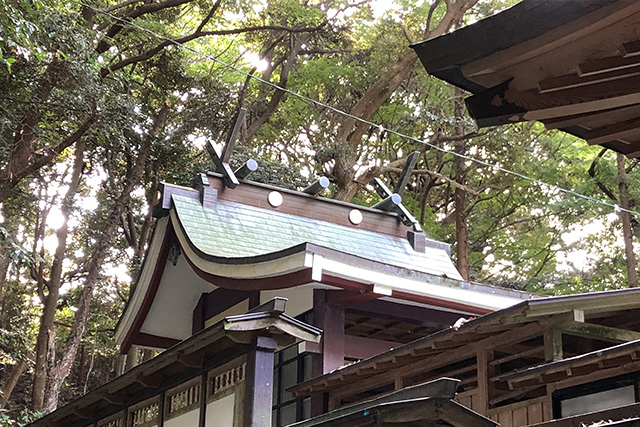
{"points": [[232, 230]]}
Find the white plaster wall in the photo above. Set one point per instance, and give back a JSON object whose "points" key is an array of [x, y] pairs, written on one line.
{"points": [[171, 314], [188, 419], [220, 413]]}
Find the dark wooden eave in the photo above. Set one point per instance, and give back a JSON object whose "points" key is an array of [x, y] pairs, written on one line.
{"points": [[425, 404], [627, 354], [220, 343], [574, 65], [526, 319]]}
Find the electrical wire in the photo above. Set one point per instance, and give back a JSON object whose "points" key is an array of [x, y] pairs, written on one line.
{"points": [[615, 207]]}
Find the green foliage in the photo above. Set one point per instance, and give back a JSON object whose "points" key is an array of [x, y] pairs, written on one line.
{"points": [[23, 418], [521, 233]]}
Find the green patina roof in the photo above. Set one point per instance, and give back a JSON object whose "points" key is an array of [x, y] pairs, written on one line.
{"points": [[235, 230]]}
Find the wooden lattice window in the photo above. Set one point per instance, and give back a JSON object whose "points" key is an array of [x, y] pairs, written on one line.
{"points": [[115, 421], [183, 398], [227, 379], [145, 414]]}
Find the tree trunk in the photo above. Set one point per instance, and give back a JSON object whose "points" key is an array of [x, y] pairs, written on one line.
{"points": [[63, 367], [45, 331], [5, 261], [460, 195], [625, 217], [132, 358], [10, 383]]}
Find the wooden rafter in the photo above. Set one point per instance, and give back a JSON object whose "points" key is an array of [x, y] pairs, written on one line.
{"points": [[604, 65], [604, 333], [569, 81], [614, 131]]}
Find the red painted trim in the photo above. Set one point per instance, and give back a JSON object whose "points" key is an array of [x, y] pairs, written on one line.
{"points": [[152, 290], [149, 340]]}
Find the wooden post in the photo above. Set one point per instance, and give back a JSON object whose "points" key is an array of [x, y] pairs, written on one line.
{"points": [[203, 400], [483, 358], [259, 383], [329, 318], [553, 344]]}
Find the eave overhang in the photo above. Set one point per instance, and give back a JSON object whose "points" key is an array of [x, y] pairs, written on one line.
{"points": [[573, 65], [627, 354], [425, 403], [530, 315], [226, 339]]}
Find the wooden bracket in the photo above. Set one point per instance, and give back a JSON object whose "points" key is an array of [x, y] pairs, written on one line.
{"points": [[221, 161]]}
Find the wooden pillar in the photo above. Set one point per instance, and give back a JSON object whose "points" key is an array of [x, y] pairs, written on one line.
{"points": [[259, 383], [203, 401], [483, 357], [329, 318], [553, 344]]}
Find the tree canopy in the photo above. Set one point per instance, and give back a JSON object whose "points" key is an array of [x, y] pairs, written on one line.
{"points": [[100, 101]]}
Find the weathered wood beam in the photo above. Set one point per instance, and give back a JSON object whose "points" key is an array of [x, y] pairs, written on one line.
{"points": [[594, 119], [569, 81], [350, 297], [491, 108], [512, 394], [614, 131], [600, 332], [405, 175], [238, 121], [224, 168], [630, 49], [275, 305], [611, 63], [150, 381]]}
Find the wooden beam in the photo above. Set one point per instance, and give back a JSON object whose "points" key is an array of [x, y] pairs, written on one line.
{"points": [[405, 175], [594, 119], [238, 121], [614, 131], [350, 297], [150, 381], [275, 305], [115, 398], [630, 49], [611, 63], [600, 332], [574, 80], [490, 108]]}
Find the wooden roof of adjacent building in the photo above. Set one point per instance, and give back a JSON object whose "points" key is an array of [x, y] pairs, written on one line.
{"points": [[211, 347], [517, 337], [574, 65]]}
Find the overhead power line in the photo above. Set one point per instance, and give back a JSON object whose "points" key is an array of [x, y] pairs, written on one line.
{"points": [[615, 207]]}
